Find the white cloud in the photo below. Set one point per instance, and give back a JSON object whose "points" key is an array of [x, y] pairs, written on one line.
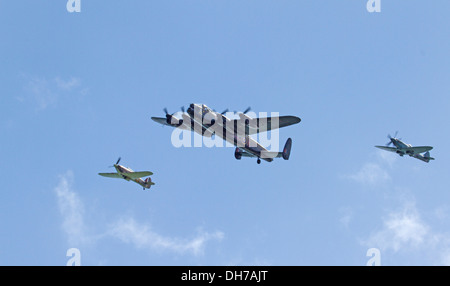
{"points": [[402, 229], [67, 84], [40, 91], [46, 92], [71, 209], [371, 174], [405, 231], [386, 158], [142, 236], [127, 230], [374, 173], [345, 216]]}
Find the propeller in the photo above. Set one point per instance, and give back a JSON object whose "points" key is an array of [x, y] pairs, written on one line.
{"points": [[169, 116], [245, 111], [390, 138], [118, 160], [223, 112], [395, 135], [167, 112]]}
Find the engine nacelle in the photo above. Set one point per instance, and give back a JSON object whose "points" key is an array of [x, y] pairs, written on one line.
{"points": [[172, 120], [249, 123], [237, 154], [245, 118]]}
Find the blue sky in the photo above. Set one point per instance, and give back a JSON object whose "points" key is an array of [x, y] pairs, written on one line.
{"points": [[78, 90]]}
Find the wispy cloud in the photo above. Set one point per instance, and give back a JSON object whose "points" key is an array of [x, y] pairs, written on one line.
{"points": [[374, 172], [68, 84], [127, 230], [386, 158], [142, 236], [370, 173], [71, 209], [405, 231], [44, 92], [345, 216], [39, 91]]}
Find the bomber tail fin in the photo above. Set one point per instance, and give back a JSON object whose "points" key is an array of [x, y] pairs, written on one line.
{"points": [[266, 155], [287, 149]]}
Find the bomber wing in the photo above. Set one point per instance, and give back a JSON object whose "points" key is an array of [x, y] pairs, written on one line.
{"points": [[161, 120], [263, 124]]}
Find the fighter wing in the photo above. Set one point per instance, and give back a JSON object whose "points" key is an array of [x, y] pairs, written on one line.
{"points": [[419, 149], [392, 149], [110, 175], [263, 124], [135, 175]]}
